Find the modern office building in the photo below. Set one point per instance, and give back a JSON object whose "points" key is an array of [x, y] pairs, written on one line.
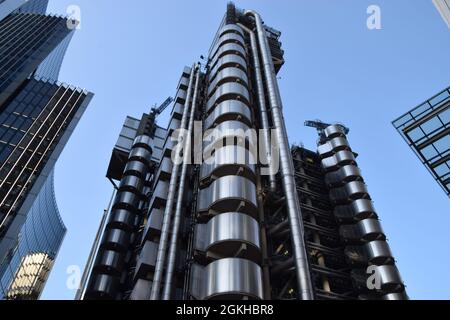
{"points": [[37, 116], [222, 224], [40, 238], [426, 129], [22, 6]]}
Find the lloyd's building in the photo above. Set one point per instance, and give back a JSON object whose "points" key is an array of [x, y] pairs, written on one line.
{"points": [[231, 229]]}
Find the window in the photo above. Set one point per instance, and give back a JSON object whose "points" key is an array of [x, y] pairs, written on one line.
{"points": [[416, 134], [442, 169], [431, 125], [444, 95], [443, 145], [429, 152], [403, 120], [421, 109], [445, 116], [5, 153], [16, 138]]}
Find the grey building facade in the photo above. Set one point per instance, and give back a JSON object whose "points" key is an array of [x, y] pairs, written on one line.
{"points": [[227, 226], [426, 130], [37, 116]]}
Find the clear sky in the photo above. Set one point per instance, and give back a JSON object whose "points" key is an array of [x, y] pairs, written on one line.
{"points": [[131, 54]]}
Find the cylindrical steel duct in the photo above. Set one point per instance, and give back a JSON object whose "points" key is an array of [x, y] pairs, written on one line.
{"points": [[262, 104], [118, 232], [365, 242], [161, 259], [295, 216], [177, 218]]}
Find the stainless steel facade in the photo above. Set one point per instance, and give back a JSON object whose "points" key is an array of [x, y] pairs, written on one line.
{"points": [[219, 228], [364, 241], [426, 130]]}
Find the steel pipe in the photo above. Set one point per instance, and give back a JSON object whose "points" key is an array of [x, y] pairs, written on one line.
{"points": [[161, 258], [177, 218], [94, 250], [262, 104], [295, 216]]}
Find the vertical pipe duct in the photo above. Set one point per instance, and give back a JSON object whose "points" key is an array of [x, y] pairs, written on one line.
{"points": [[177, 218], [262, 103], [94, 250], [161, 258], [295, 216], [266, 129]]}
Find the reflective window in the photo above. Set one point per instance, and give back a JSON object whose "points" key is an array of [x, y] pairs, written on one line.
{"points": [[442, 169], [443, 144], [416, 134], [430, 152], [432, 125], [421, 109], [24, 273], [439, 98], [445, 116]]}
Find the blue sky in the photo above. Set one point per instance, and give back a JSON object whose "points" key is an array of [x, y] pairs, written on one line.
{"points": [[131, 54]]}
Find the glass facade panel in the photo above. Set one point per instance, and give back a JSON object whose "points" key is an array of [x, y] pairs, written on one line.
{"points": [[420, 110], [19, 172], [445, 116], [49, 69], [432, 125], [21, 54], [429, 152], [34, 6], [28, 264], [442, 169], [439, 98], [443, 144], [416, 134], [426, 129]]}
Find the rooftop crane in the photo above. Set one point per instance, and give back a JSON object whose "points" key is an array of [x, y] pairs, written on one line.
{"points": [[156, 111], [321, 126]]}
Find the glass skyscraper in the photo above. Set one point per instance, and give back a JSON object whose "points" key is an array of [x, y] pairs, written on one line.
{"points": [[37, 116], [39, 241], [426, 130]]}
